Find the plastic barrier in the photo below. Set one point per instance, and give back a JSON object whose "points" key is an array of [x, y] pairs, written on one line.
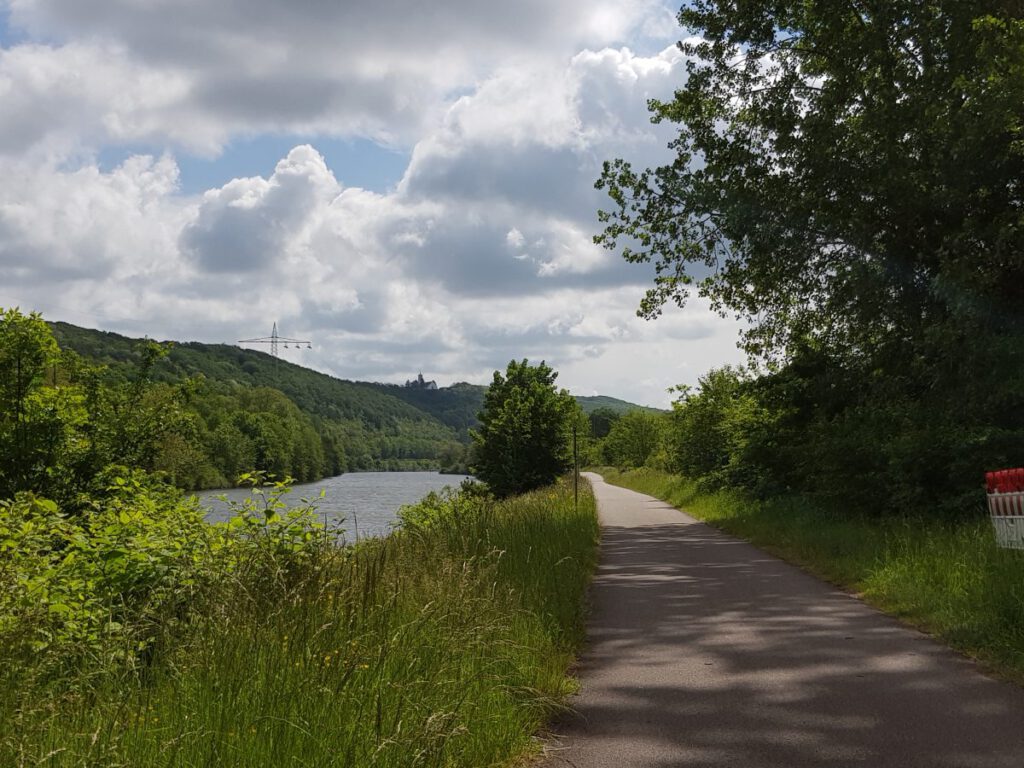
{"points": [[1006, 506]]}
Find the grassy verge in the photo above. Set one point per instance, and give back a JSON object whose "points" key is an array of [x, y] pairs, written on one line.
{"points": [[445, 644], [949, 579]]}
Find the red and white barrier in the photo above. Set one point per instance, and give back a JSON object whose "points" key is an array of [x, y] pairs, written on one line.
{"points": [[1006, 506]]}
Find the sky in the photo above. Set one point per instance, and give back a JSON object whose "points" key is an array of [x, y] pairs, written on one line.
{"points": [[407, 185]]}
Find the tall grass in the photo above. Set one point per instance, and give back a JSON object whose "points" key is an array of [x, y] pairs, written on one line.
{"points": [[444, 644], [948, 578]]}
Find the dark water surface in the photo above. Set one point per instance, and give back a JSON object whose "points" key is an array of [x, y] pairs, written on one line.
{"points": [[368, 501]]}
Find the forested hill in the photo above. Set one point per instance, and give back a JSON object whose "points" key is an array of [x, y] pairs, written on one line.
{"points": [[316, 393], [455, 406], [591, 403], [249, 410], [458, 404]]}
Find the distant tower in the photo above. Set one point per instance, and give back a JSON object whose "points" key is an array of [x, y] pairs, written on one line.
{"points": [[273, 340]]}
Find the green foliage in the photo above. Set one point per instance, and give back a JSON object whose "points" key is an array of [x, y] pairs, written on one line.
{"points": [[321, 396], [594, 403], [524, 440], [125, 419], [132, 632], [716, 432], [68, 420], [447, 507], [207, 413], [601, 421], [231, 423], [443, 645], [455, 406], [634, 438], [854, 164], [98, 587], [30, 425], [458, 405], [92, 588]]}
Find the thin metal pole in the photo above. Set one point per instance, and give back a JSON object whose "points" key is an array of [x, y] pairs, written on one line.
{"points": [[575, 471]]}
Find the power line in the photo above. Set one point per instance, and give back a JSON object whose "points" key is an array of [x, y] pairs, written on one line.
{"points": [[274, 340]]}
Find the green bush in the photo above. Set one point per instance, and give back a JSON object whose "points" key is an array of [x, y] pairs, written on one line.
{"points": [[268, 644], [633, 438], [93, 586], [716, 432]]}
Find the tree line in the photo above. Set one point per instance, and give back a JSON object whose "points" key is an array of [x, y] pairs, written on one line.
{"points": [[65, 419]]}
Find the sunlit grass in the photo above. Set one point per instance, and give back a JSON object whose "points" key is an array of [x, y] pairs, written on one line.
{"points": [[440, 646], [950, 579]]}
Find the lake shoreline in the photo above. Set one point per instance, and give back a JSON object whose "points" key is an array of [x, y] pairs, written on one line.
{"points": [[363, 503]]}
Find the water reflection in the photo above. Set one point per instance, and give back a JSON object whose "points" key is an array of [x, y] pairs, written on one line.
{"points": [[363, 501]]}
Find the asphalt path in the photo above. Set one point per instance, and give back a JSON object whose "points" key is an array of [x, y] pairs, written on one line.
{"points": [[705, 651]]}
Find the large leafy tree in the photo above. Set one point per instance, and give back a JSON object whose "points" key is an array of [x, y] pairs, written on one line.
{"points": [[523, 440], [634, 438], [29, 426], [848, 171], [602, 420], [847, 178]]}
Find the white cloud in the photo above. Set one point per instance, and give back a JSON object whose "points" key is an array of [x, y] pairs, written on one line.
{"points": [[60, 99], [255, 224], [85, 224], [195, 73]]}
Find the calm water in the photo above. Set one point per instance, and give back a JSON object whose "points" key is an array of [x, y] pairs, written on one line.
{"points": [[369, 499]]}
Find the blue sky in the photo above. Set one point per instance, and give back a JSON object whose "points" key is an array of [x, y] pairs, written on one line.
{"points": [[357, 161], [8, 36], [408, 184]]}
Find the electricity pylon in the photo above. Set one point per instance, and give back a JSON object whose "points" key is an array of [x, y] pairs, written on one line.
{"points": [[273, 340]]}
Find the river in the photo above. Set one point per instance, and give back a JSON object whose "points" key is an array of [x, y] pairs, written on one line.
{"points": [[363, 501]]}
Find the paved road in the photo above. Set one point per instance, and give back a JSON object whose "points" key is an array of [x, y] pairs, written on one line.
{"points": [[705, 651]]}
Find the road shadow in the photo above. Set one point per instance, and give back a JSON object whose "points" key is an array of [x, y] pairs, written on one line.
{"points": [[705, 651]]}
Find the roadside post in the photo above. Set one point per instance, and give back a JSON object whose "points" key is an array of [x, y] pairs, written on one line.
{"points": [[1006, 506], [575, 472]]}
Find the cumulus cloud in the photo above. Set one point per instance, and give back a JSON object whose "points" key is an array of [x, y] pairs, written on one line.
{"points": [[59, 99], [391, 30], [86, 224], [518, 158], [249, 224]]}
